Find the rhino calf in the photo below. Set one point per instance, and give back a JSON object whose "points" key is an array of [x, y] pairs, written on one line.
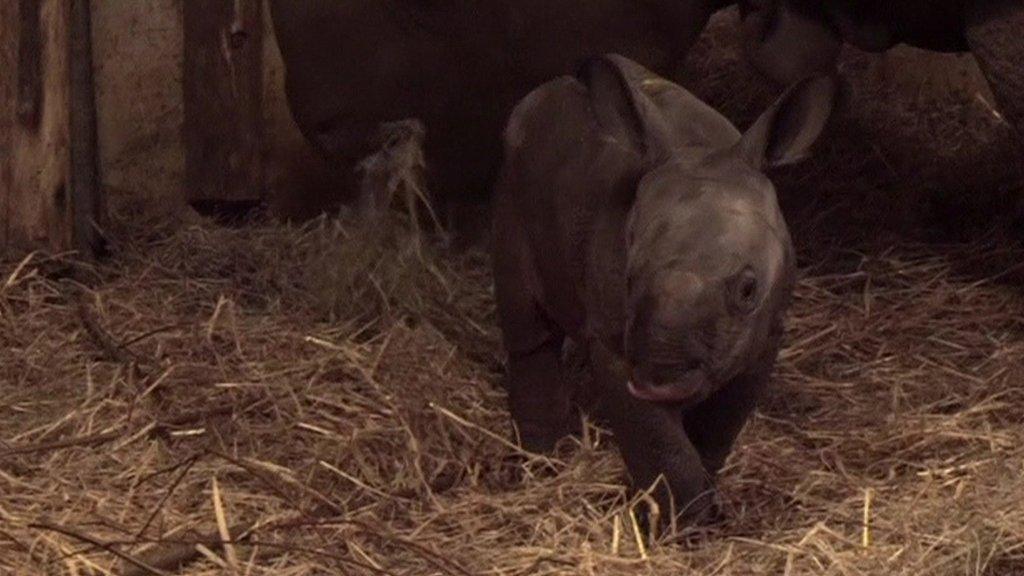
{"points": [[635, 220]]}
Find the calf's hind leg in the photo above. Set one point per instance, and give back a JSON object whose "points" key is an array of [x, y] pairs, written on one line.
{"points": [[539, 396]]}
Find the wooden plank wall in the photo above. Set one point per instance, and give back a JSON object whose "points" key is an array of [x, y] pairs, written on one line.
{"points": [[222, 83], [243, 143], [87, 205], [8, 56], [35, 158]]}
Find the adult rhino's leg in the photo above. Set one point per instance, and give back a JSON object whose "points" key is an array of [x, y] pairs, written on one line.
{"points": [[995, 33], [539, 396], [654, 445], [714, 424]]}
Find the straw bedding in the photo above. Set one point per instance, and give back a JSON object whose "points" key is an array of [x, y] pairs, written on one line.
{"points": [[357, 427], [328, 402]]}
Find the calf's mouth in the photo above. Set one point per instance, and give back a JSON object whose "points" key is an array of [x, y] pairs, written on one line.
{"points": [[688, 385]]}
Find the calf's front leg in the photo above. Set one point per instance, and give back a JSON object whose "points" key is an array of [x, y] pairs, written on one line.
{"points": [[539, 397], [654, 445], [714, 424]]}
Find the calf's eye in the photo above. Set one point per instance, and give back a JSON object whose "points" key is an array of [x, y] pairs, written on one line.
{"points": [[745, 291]]}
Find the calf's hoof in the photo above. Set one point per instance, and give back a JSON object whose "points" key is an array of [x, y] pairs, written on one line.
{"points": [[542, 437], [672, 516]]}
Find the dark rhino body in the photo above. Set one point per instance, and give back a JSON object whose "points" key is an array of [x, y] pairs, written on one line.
{"points": [[880, 24], [634, 220], [789, 39], [458, 65], [877, 25]]}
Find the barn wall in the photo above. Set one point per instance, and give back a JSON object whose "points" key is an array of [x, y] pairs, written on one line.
{"points": [[138, 53], [138, 64]]}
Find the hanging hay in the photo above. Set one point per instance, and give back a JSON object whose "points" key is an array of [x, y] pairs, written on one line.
{"points": [[396, 169]]}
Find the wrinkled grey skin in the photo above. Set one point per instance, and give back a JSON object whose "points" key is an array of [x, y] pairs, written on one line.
{"points": [[635, 220], [790, 39], [457, 65]]}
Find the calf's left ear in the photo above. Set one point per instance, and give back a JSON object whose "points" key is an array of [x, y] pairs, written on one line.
{"points": [[624, 111], [787, 131]]}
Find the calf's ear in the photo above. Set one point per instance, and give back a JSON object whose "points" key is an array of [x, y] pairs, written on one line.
{"points": [[786, 132], [622, 109]]}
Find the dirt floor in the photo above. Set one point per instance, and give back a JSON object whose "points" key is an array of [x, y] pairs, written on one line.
{"points": [[331, 402]]}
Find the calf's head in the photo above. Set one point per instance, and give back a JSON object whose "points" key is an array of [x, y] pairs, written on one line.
{"points": [[709, 258]]}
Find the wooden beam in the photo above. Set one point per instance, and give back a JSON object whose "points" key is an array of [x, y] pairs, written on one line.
{"points": [[30, 69], [86, 189], [8, 61], [35, 160], [222, 79]]}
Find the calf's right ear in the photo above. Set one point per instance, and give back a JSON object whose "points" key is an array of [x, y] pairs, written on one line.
{"points": [[787, 131], [622, 110]]}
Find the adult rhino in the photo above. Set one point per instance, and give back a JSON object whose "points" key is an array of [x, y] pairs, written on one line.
{"points": [[791, 39], [457, 65]]}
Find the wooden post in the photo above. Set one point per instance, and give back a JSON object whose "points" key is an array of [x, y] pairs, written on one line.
{"points": [[38, 193], [29, 69], [223, 73], [36, 162], [8, 62], [86, 191]]}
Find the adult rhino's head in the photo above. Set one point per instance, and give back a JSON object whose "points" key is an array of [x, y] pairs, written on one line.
{"points": [[788, 40], [352, 65], [709, 258]]}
